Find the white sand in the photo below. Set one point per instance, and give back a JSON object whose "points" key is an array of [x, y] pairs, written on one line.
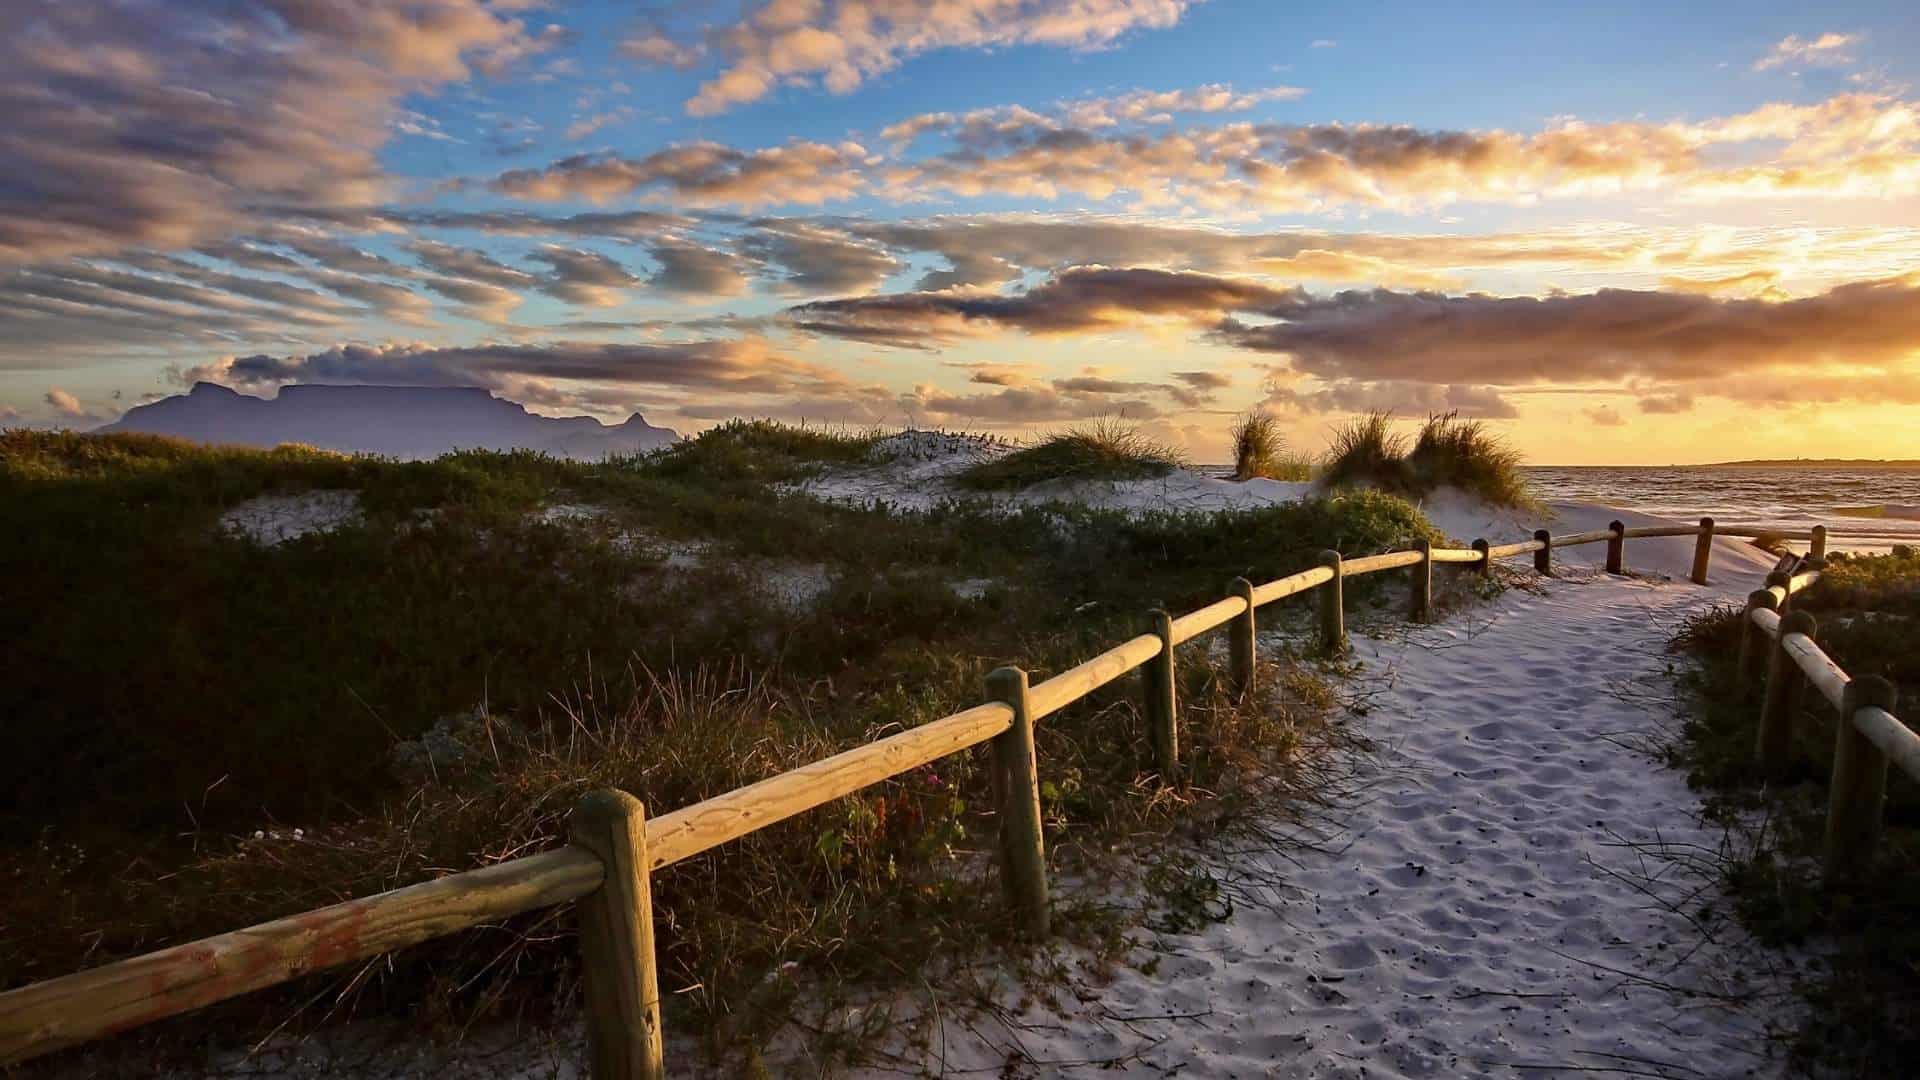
{"points": [[1482, 909], [276, 519]]}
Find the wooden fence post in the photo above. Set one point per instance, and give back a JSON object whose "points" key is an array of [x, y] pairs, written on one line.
{"points": [[1543, 559], [1486, 559], [1702, 551], [1333, 614], [1752, 638], [1422, 600], [1817, 547], [1163, 716], [1785, 581], [1617, 547], [1857, 794], [616, 940], [1241, 655], [1773, 745], [1023, 846]]}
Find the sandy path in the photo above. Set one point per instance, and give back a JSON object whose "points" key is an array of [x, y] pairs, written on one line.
{"points": [[1478, 910]]}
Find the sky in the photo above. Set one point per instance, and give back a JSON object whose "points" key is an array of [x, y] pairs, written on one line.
{"points": [[1634, 234]]}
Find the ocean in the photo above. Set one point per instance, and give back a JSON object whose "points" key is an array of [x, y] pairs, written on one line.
{"points": [[1848, 501]]}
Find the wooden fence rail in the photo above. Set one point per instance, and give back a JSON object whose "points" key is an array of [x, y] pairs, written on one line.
{"points": [[615, 847], [1868, 737]]}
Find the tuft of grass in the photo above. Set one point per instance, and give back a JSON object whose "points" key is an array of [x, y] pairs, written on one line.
{"points": [[1448, 452], [1367, 452], [1466, 454], [1105, 449], [1260, 450]]}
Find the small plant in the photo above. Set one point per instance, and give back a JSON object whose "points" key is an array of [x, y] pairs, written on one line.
{"points": [[1105, 449], [1260, 450]]}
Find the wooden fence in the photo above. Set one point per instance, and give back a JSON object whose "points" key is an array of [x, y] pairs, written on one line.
{"points": [[614, 848]]}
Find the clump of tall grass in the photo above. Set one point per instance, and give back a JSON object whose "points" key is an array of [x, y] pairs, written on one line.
{"points": [[1466, 454], [1448, 452], [1260, 450], [1106, 449], [1367, 452]]}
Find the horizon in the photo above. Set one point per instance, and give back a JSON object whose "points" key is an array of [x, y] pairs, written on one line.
{"points": [[1626, 239]]}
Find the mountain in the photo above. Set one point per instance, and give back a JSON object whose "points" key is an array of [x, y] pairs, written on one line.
{"points": [[393, 421]]}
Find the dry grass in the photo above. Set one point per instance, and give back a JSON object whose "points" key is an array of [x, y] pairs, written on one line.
{"points": [[1106, 449], [1260, 450], [1448, 452]]}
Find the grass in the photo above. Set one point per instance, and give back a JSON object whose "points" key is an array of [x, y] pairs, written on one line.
{"points": [[1105, 449], [187, 699], [1448, 452], [1260, 450], [1867, 1003]]}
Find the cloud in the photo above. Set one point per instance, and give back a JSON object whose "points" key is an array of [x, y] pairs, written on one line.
{"points": [[66, 404], [1074, 301], [1415, 398], [1604, 416], [1850, 146], [1022, 405], [984, 127], [1828, 50], [734, 374], [843, 43], [583, 278], [1666, 403], [699, 174], [688, 269], [818, 260], [1609, 336], [587, 125], [163, 125]]}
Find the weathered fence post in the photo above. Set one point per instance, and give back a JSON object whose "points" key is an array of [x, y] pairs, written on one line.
{"points": [[616, 940], [1817, 547], [1163, 717], [1486, 559], [1023, 846], [1543, 559], [1857, 794], [1702, 551], [1617, 547], [1333, 614], [1752, 638], [1241, 657], [1783, 579], [1773, 745], [1422, 601]]}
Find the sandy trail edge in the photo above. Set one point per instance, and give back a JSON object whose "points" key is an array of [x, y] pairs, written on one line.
{"points": [[1484, 908]]}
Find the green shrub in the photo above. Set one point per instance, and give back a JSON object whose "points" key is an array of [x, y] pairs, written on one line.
{"points": [[1102, 450]]}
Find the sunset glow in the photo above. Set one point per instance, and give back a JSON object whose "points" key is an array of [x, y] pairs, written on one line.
{"points": [[1622, 237]]}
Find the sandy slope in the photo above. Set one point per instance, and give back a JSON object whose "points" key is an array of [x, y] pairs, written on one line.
{"points": [[1482, 908]]}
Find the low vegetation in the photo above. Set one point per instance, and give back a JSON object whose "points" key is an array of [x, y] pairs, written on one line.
{"points": [[1260, 450], [1448, 452], [1107, 449], [211, 731], [1867, 1002]]}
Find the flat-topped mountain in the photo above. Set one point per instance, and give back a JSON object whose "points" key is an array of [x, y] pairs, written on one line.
{"points": [[394, 421]]}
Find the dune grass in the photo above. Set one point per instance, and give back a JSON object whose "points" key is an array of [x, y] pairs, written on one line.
{"points": [[1105, 449], [1865, 1002], [1260, 450], [1447, 452], [185, 699]]}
